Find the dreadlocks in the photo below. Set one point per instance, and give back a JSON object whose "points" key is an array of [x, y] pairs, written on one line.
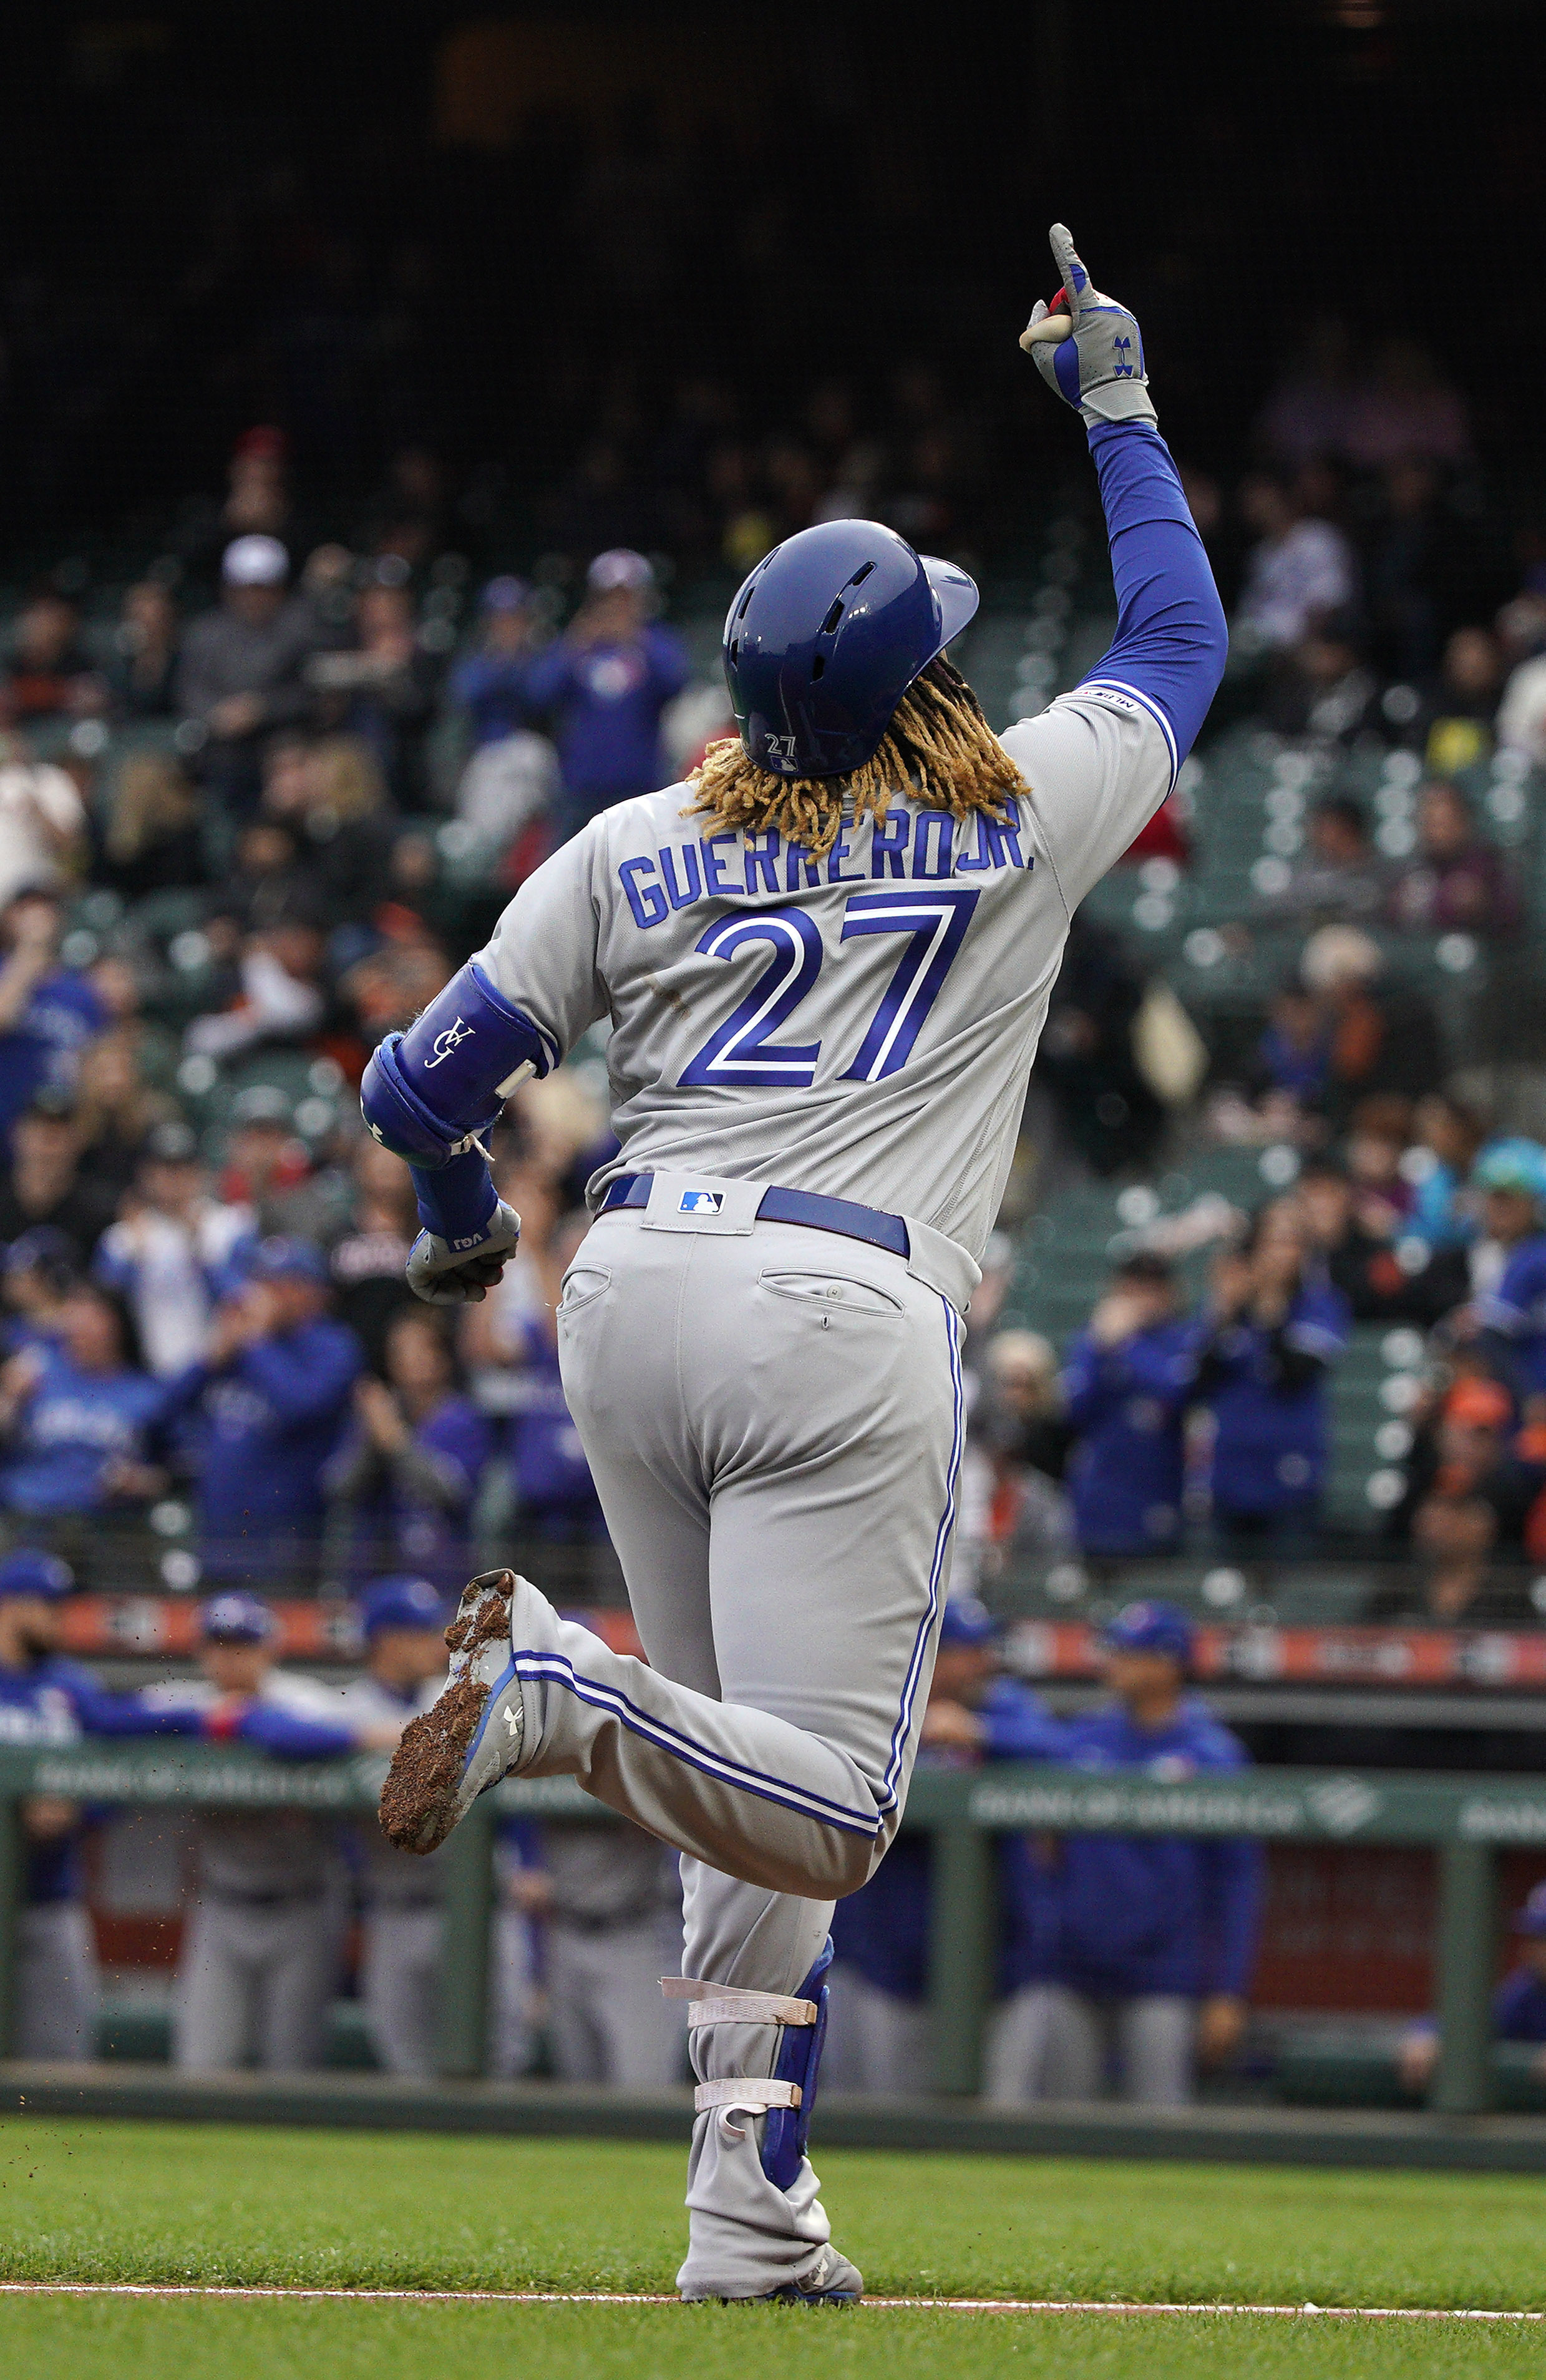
{"points": [[937, 747]]}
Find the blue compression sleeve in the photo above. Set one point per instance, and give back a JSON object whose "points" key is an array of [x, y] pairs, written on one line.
{"points": [[455, 1201], [1171, 637]]}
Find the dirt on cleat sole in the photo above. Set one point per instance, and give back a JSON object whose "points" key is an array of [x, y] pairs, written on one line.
{"points": [[420, 1800]]}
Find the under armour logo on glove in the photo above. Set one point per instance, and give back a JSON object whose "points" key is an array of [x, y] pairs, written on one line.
{"points": [[1087, 346]]}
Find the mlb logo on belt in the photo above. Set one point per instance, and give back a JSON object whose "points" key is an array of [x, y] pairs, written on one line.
{"points": [[700, 1202]]}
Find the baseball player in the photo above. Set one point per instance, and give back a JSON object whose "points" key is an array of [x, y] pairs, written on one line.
{"points": [[826, 961], [45, 1700], [403, 1622], [262, 1946], [1128, 1949]]}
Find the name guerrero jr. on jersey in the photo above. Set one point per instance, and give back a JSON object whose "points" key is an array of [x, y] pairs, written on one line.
{"points": [[783, 942]]}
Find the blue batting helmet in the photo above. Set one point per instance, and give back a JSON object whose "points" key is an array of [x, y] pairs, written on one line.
{"points": [[826, 636]]}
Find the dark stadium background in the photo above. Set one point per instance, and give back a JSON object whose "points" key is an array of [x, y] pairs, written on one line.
{"points": [[356, 221]]}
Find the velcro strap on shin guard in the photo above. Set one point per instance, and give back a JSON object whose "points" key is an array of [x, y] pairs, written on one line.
{"points": [[725, 2004], [753, 2091]]}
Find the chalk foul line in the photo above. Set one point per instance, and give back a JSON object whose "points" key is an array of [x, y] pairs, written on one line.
{"points": [[627, 2296]]}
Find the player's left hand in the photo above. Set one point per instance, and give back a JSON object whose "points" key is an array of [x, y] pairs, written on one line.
{"points": [[443, 1275], [1088, 347]]}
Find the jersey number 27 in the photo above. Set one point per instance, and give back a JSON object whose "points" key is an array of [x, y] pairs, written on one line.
{"points": [[741, 1051]]}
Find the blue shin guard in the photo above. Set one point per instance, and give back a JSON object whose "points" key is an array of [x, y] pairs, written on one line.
{"points": [[787, 2129]]}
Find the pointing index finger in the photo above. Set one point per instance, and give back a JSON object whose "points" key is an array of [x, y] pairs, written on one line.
{"points": [[1076, 281]]}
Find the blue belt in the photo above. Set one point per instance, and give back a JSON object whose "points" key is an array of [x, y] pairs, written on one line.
{"points": [[807, 1207]]}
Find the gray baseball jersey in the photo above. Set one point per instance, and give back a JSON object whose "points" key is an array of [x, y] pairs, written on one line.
{"points": [[862, 1025]]}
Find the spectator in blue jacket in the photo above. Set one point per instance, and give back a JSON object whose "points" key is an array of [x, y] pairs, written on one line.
{"points": [[1275, 1327], [1518, 2004], [1127, 1378], [1130, 1951], [45, 1700], [490, 684], [409, 1464], [604, 685], [78, 1417], [271, 1396], [880, 2021], [48, 1012], [1511, 1175]]}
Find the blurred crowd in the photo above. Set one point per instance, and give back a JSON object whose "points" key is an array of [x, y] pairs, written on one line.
{"points": [[1180, 1420]]}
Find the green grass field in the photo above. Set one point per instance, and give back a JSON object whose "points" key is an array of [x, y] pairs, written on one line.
{"points": [[189, 2203]]}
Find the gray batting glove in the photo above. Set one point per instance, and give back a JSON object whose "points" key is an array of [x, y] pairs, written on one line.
{"points": [[444, 1275], [1088, 348]]}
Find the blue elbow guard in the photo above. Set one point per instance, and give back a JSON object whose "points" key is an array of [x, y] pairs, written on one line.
{"points": [[786, 2130], [429, 1093]]}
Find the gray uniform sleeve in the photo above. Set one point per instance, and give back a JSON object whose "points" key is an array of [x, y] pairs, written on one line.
{"points": [[543, 957], [1098, 767]]}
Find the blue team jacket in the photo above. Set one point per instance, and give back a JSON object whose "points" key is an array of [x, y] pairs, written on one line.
{"points": [[1126, 1471], [70, 1432], [56, 1701], [42, 1048], [494, 688], [394, 1528], [1520, 2007], [1125, 1914], [268, 1423], [883, 1929], [606, 706], [553, 1485], [1270, 1453]]}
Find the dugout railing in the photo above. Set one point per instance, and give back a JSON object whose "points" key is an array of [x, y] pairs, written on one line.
{"points": [[1466, 1820]]}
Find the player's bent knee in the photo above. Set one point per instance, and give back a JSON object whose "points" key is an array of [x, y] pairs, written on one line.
{"points": [[855, 1859]]}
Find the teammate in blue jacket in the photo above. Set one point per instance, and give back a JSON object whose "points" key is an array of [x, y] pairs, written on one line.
{"points": [[880, 2021], [272, 1394], [1132, 1948], [604, 685], [1277, 1328], [46, 1700], [1126, 1382], [263, 1946]]}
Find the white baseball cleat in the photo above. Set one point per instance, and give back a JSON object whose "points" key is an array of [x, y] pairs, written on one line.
{"points": [[471, 1736], [831, 2281]]}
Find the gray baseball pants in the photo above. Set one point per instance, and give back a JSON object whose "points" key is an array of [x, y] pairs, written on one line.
{"points": [[400, 1986], [255, 1980], [774, 1417], [1050, 2043], [606, 2013], [56, 1983], [875, 2042]]}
